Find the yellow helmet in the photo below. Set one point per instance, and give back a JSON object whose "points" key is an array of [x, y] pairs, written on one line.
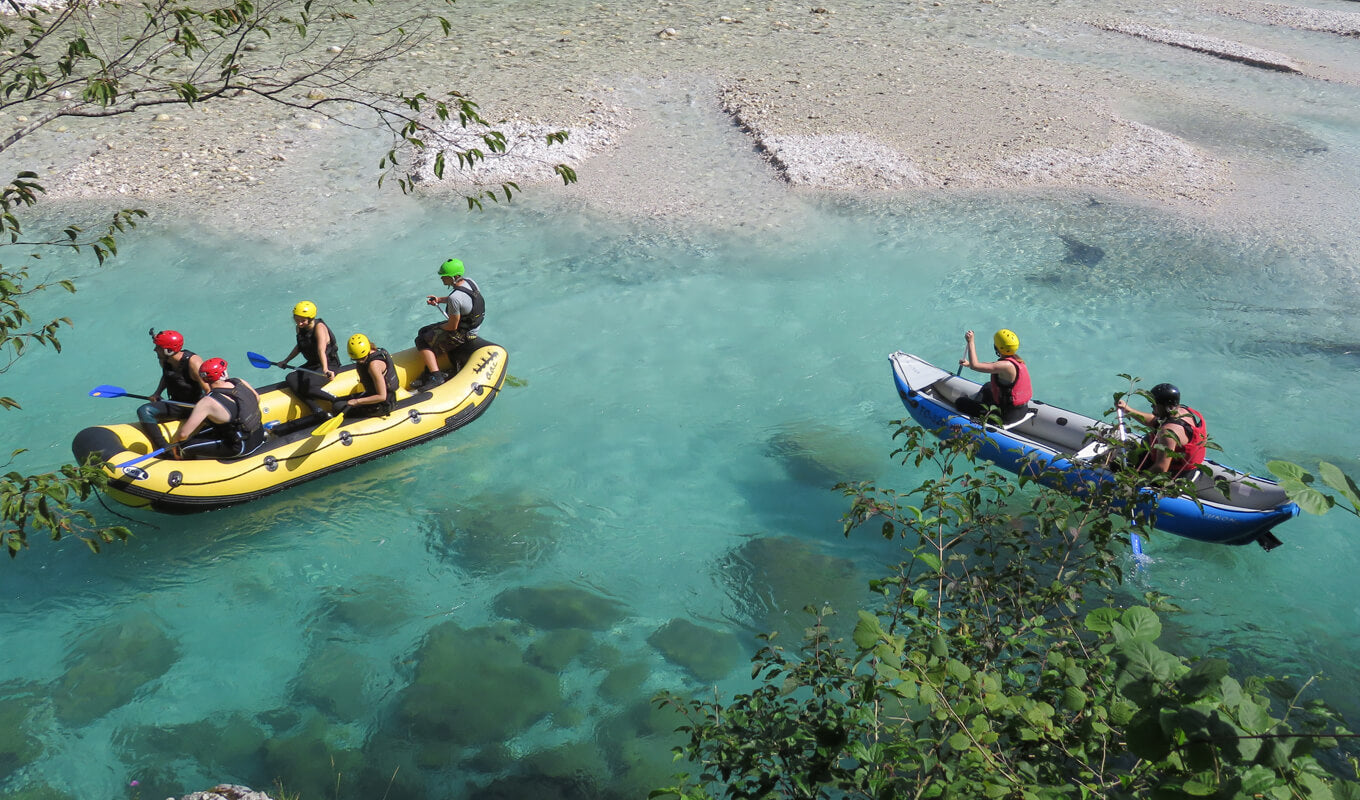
{"points": [[359, 346], [306, 309], [1006, 342]]}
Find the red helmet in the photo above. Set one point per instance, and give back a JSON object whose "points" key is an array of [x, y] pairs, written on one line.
{"points": [[170, 340], [214, 369]]}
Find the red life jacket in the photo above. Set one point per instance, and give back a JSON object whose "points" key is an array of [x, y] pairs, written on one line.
{"points": [[1191, 454], [1013, 395]]}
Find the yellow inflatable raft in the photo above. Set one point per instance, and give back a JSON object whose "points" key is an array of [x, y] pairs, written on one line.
{"points": [[291, 453]]}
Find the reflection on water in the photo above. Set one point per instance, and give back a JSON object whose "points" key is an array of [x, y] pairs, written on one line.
{"points": [[489, 614]]}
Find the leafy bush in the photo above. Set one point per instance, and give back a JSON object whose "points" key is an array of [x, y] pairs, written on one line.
{"points": [[997, 665]]}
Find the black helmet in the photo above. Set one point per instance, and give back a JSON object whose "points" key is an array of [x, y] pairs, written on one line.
{"points": [[1166, 394]]}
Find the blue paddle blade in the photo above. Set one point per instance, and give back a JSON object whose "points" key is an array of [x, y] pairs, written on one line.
{"points": [[105, 390], [259, 361]]}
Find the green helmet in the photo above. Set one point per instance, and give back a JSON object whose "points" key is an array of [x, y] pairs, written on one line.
{"points": [[453, 268]]}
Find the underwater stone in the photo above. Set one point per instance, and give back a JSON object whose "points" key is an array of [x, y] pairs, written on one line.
{"points": [[623, 681], [472, 687], [233, 746], [373, 609], [773, 578], [708, 654], [1080, 253], [639, 740], [17, 746], [310, 761], [554, 607], [107, 667], [822, 457], [39, 792], [332, 680], [556, 649], [492, 534]]}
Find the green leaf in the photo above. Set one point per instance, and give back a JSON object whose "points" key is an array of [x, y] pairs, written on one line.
{"points": [[1101, 620], [1202, 785], [1340, 481], [1143, 659], [1138, 622], [1206, 675], [868, 631], [1310, 500], [1286, 470], [1253, 717]]}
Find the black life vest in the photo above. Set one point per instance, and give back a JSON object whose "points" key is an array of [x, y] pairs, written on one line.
{"points": [[244, 424], [306, 342], [473, 320], [389, 377], [181, 384]]}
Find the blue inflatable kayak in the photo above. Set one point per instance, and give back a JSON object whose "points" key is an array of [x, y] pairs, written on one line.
{"points": [[1070, 444]]}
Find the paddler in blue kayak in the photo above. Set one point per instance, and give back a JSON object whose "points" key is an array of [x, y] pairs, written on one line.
{"points": [[1179, 437], [1008, 392]]}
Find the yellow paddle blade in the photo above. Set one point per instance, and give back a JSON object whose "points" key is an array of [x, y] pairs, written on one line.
{"points": [[329, 425]]}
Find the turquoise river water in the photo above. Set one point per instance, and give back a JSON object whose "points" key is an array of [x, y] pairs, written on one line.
{"points": [[685, 408], [488, 615]]}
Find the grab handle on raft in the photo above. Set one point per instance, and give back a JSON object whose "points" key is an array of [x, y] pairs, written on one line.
{"points": [[105, 390], [264, 363]]}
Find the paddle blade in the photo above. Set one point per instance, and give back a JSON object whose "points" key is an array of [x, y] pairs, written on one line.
{"points": [[105, 390], [260, 361], [329, 425]]}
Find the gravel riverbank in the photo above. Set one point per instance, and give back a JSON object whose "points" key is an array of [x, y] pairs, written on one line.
{"points": [[923, 96]]}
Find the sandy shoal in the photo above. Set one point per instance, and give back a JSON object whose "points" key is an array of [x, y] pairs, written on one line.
{"points": [[911, 97]]}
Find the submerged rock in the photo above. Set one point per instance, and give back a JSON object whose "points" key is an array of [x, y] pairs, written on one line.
{"points": [[311, 760], [773, 578], [230, 746], [556, 649], [108, 666], [373, 609], [472, 687], [1080, 253], [18, 747], [553, 607], [332, 680], [820, 456], [494, 533], [708, 654]]}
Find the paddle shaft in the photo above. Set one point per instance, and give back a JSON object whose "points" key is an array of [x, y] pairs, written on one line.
{"points": [[264, 363], [302, 369], [140, 459], [154, 400]]}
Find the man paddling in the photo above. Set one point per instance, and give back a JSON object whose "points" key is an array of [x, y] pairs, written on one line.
{"points": [[465, 310], [232, 410], [1179, 435], [179, 379]]}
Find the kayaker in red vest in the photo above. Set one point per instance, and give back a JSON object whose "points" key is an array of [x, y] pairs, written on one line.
{"points": [[1179, 434], [1008, 392]]}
